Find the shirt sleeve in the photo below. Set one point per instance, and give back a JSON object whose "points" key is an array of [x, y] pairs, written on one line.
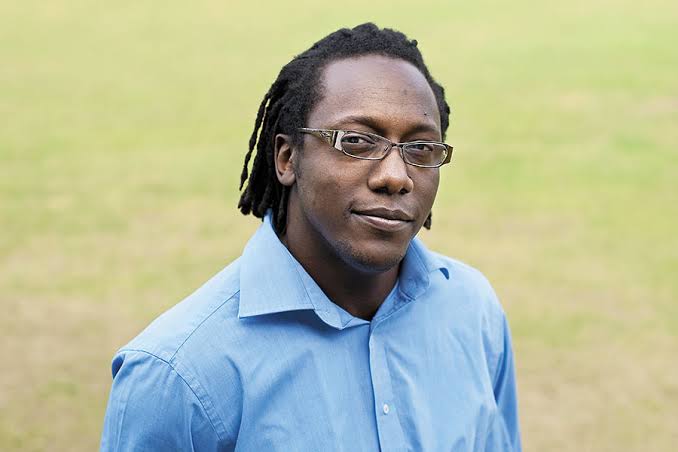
{"points": [[151, 408], [505, 432]]}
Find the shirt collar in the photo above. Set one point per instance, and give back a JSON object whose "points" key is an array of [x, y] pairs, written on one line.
{"points": [[269, 282], [272, 281]]}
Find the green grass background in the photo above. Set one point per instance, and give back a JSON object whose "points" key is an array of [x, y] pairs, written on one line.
{"points": [[122, 131]]}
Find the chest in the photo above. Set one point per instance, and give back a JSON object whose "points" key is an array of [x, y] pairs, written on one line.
{"points": [[394, 386]]}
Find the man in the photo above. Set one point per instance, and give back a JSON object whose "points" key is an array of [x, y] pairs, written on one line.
{"points": [[336, 329]]}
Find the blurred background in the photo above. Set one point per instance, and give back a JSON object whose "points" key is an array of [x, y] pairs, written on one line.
{"points": [[123, 126]]}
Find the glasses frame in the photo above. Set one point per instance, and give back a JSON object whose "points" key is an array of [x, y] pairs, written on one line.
{"points": [[333, 138]]}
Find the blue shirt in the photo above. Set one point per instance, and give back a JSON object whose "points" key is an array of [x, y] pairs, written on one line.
{"points": [[259, 359]]}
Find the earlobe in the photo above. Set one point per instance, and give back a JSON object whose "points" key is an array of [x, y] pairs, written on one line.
{"points": [[284, 154]]}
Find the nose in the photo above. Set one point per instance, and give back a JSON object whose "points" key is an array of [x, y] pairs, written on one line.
{"points": [[390, 175]]}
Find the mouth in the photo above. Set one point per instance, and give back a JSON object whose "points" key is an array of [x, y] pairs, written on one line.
{"points": [[388, 220]]}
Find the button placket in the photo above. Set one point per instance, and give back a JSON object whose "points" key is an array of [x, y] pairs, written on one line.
{"points": [[391, 437]]}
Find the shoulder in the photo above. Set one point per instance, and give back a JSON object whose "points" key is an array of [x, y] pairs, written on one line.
{"points": [[152, 407], [487, 314], [468, 282], [174, 362], [173, 329], [470, 301]]}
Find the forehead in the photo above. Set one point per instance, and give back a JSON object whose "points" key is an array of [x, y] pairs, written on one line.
{"points": [[390, 90]]}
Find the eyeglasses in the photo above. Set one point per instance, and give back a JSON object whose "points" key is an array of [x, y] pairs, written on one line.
{"points": [[370, 146]]}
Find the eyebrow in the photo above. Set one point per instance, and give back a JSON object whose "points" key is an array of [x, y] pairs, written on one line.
{"points": [[378, 125]]}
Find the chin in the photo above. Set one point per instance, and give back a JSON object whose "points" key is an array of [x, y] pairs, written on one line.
{"points": [[372, 257]]}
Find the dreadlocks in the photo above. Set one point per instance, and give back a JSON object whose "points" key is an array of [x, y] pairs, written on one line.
{"points": [[287, 103]]}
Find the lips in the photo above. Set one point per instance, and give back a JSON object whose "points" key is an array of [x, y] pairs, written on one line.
{"points": [[389, 220]]}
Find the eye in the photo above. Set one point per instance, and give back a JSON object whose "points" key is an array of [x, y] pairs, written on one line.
{"points": [[358, 144], [421, 147], [356, 138]]}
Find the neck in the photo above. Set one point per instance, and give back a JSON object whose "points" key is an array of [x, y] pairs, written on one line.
{"points": [[357, 291]]}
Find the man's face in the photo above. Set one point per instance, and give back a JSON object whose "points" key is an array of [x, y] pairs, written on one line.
{"points": [[365, 212]]}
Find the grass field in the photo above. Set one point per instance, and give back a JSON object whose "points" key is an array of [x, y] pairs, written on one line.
{"points": [[122, 131]]}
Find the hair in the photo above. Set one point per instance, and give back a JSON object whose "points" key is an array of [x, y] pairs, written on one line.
{"points": [[293, 95]]}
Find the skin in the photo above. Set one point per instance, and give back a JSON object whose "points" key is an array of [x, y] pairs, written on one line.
{"points": [[331, 226]]}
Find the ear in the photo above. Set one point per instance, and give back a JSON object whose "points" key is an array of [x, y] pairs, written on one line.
{"points": [[284, 155]]}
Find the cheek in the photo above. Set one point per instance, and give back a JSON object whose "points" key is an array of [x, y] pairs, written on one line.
{"points": [[325, 189], [427, 187]]}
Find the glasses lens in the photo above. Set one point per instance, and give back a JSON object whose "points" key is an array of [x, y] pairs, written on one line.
{"points": [[425, 154], [361, 145]]}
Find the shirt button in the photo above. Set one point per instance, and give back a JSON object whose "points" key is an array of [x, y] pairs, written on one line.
{"points": [[386, 408]]}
